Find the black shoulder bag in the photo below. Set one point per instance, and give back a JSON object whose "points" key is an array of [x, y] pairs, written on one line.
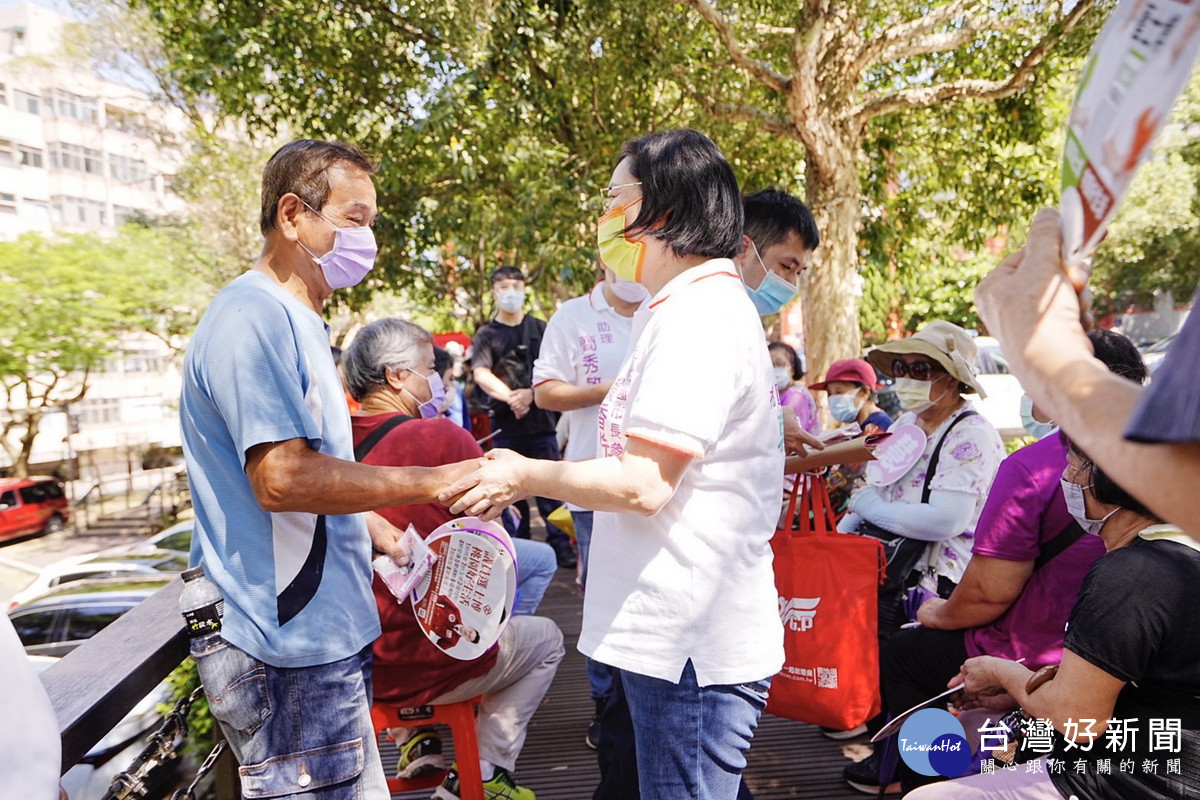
{"points": [[904, 554], [515, 367], [374, 437]]}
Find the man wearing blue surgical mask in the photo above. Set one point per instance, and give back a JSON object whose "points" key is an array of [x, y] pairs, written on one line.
{"points": [[778, 239]]}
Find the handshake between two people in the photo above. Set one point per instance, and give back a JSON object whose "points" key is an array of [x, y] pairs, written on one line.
{"points": [[488, 485]]}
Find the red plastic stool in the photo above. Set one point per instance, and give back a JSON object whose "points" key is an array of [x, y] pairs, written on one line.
{"points": [[460, 717]]}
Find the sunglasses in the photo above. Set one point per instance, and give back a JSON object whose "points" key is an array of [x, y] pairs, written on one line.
{"points": [[918, 370]]}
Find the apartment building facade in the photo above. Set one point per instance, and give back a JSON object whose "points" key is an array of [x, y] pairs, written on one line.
{"points": [[82, 154]]}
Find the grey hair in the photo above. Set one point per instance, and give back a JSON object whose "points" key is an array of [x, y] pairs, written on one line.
{"points": [[384, 344]]}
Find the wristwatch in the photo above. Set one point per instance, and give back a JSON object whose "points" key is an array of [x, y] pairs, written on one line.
{"points": [[1042, 676]]}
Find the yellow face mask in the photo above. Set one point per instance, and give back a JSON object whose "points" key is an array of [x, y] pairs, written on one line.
{"points": [[619, 254]]}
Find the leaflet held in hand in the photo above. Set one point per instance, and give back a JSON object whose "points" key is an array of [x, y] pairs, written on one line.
{"points": [[1138, 66]]}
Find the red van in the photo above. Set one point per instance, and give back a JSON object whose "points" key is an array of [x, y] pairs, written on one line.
{"points": [[30, 505]]}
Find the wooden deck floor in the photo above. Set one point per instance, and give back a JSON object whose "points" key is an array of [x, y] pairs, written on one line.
{"points": [[787, 760]]}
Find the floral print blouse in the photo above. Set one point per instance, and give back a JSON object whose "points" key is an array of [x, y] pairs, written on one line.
{"points": [[970, 458]]}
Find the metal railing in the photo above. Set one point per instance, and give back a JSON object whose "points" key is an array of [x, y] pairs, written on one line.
{"points": [[95, 685], [168, 496]]}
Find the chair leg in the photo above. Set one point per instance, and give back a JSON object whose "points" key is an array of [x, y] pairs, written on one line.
{"points": [[466, 749]]}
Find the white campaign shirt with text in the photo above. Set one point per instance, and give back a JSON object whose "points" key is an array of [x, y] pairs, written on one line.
{"points": [[585, 343], [694, 581]]}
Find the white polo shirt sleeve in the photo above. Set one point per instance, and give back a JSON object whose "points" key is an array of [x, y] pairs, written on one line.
{"points": [[671, 403], [556, 360]]}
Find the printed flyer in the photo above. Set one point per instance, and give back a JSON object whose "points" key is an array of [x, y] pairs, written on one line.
{"points": [[465, 600], [1138, 66]]}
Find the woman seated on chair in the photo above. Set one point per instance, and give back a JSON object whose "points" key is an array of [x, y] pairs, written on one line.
{"points": [[389, 369], [1131, 664]]}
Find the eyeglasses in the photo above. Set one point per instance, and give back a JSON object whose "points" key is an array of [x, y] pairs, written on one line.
{"points": [[605, 193], [918, 370]]}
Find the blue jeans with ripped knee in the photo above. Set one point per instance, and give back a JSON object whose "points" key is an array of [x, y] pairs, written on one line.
{"points": [[302, 732]]}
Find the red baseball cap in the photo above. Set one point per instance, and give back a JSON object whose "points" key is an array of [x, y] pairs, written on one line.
{"points": [[855, 370]]}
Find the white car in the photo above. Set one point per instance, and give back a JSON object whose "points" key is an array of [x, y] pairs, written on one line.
{"points": [[177, 539], [116, 752], [101, 565], [1002, 407]]}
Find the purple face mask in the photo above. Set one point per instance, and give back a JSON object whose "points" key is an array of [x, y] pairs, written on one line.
{"points": [[437, 395], [352, 256]]}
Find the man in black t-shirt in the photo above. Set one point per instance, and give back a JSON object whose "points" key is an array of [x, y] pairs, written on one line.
{"points": [[503, 352]]}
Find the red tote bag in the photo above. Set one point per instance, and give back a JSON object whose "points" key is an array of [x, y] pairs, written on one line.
{"points": [[828, 586]]}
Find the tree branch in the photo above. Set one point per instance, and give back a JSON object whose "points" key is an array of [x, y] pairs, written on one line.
{"points": [[763, 72], [879, 104], [944, 41], [743, 113], [904, 32]]}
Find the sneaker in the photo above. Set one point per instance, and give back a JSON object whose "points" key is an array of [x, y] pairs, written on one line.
{"points": [[840, 735], [500, 787], [863, 776], [592, 737], [420, 753]]}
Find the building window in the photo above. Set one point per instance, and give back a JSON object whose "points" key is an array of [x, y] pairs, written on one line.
{"points": [[6, 153], [8, 203], [29, 103], [78, 211], [104, 411], [128, 170], [120, 119], [31, 157], [76, 158], [3, 95], [68, 104]]}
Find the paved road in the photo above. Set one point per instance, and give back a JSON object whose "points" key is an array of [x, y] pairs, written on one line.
{"points": [[20, 560]]}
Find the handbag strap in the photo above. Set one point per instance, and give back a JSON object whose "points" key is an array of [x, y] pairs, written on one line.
{"points": [[1069, 536], [937, 453], [811, 499], [385, 427]]}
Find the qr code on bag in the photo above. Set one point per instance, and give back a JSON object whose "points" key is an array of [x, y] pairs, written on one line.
{"points": [[827, 678]]}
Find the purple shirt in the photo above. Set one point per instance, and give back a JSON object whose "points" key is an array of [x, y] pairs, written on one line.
{"points": [[801, 401], [1025, 510]]}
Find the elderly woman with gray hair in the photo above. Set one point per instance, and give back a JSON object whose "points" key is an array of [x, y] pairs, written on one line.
{"points": [[389, 369]]}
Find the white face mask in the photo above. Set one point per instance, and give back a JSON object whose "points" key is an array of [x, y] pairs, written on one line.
{"points": [[511, 300], [783, 378], [913, 395], [629, 291], [1077, 507]]}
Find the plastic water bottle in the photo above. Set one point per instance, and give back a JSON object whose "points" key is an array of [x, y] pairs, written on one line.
{"points": [[200, 603]]}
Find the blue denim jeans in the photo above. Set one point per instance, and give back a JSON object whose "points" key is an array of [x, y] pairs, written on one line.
{"points": [[536, 566], [692, 740], [599, 679], [583, 540], [300, 732]]}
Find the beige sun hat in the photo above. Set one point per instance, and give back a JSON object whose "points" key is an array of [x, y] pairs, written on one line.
{"points": [[944, 342]]}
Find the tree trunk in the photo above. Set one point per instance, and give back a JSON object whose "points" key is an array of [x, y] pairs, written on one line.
{"points": [[33, 423], [832, 285]]}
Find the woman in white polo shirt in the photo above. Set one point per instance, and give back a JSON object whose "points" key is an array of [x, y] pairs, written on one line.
{"points": [[681, 595]]}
